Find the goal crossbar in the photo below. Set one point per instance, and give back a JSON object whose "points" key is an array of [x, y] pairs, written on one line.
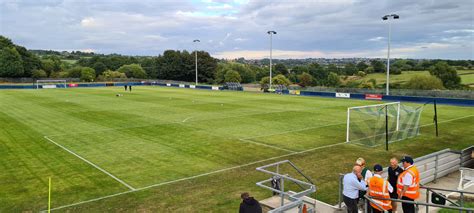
{"points": [[54, 82]]}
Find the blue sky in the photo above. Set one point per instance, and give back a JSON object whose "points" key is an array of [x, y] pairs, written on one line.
{"points": [[237, 28]]}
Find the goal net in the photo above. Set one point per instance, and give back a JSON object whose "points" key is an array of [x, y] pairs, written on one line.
{"points": [[50, 84], [372, 125]]}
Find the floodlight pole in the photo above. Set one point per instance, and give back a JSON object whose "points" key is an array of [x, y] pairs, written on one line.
{"points": [[196, 59], [271, 32], [387, 18]]}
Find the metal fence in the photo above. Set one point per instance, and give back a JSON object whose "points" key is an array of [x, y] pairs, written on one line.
{"points": [[468, 94], [435, 165]]}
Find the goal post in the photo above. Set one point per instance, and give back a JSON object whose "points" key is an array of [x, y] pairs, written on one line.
{"points": [[50, 84], [372, 106], [378, 124]]}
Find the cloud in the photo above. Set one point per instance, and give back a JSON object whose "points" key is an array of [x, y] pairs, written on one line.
{"points": [[319, 28], [378, 38]]}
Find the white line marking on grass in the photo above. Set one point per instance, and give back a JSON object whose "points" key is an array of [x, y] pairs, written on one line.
{"points": [[195, 176], [187, 119], [296, 130], [221, 170], [90, 163], [266, 145]]}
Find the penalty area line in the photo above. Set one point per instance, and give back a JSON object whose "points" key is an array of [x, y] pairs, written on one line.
{"points": [[193, 177], [219, 171], [266, 145], [90, 163]]}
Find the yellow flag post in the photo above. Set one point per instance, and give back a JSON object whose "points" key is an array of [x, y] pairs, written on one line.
{"points": [[49, 196]]}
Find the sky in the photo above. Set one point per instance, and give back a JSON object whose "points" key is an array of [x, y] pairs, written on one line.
{"points": [[238, 28]]}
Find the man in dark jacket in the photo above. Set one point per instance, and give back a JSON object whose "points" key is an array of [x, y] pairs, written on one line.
{"points": [[249, 204], [393, 172]]}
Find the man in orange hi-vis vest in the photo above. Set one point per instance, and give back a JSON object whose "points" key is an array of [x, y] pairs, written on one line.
{"points": [[379, 188], [408, 184]]}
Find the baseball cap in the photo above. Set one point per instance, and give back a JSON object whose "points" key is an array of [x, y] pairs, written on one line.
{"points": [[407, 159], [378, 168]]}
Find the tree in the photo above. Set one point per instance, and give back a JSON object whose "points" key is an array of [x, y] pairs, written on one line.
{"points": [[99, 67], [280, 69], [39, 74], [421, 82], [369, 70], [29, 61], [300, 70], [319, 73], [361, 74], [378, 66], [332, 68], [361, 66], [333, 80], [10, 63], [447, 74], [277, 80], [87, 74], [281, 80], [110, 75], [232, 76], [133, 71], [350, 69], [305, 79], [395, 70], [75, 72]]}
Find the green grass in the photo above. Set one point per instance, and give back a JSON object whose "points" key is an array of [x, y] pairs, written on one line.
{"points": [[155, 135], [467, 76]]}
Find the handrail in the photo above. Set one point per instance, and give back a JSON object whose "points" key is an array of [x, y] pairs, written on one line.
{"points": [[300, 172], [446, 190], [425, 204], [369, 199], [295, 198]]}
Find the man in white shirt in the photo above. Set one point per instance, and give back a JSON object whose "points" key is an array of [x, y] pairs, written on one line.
{"points": [[353, 183]]}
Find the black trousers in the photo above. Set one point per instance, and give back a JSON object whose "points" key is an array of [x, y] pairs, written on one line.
{"points": [[351, 204], [374, 210], [408, 207]]}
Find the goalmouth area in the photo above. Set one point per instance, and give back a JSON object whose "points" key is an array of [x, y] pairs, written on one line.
{"points": [[175, 149]]}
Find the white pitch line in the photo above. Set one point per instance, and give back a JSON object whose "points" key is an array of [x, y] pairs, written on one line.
{"points": [[221, 170], [187, 119], [267, 145], [90, 163], [296, 130]]}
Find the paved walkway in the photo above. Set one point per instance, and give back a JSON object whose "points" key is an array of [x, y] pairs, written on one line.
{"points": [[450, 181]]}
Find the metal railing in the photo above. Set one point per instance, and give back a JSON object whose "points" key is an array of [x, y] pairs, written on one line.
{"points": [[427, 204], [296, 199]]}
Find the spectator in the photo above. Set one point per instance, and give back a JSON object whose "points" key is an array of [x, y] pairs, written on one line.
{"points": [[408, 185], [353, 182], [366, 174], [249, 204], [393, 172], [379, 188]]}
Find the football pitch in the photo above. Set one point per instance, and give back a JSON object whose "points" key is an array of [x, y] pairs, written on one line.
{"points": [[174, 149]]}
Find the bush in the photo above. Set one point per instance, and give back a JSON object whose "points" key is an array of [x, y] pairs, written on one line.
{"points": [[305, 79], [447, 74], [87, 74], [421, 82], [395, 71], [281, 79], [133, 71], [39, 74], [333, 80], [369, 70], [361, 73], [367, 85], [75, 72], [232, 76], [109, 75]]}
